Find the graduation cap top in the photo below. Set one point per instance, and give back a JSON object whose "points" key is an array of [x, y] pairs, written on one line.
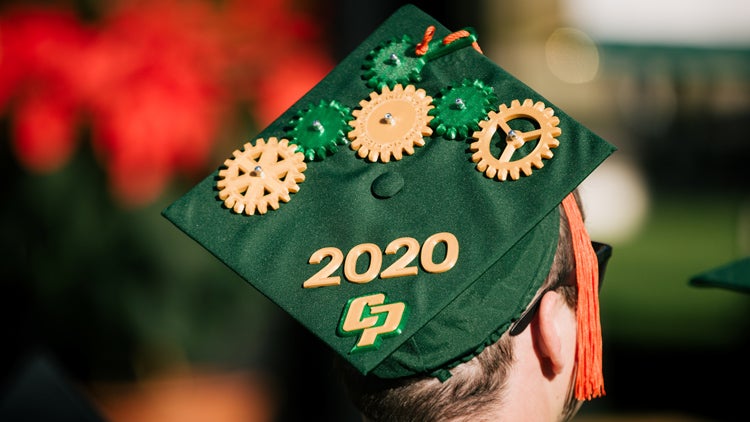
{"points": [[404, 210], [734, 275]]}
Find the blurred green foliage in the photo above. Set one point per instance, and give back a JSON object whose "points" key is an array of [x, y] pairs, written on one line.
{"points": [[646, 298], [115, 292]]}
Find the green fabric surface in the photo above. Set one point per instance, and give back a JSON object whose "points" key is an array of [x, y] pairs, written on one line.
{"points": [[506, 231]]}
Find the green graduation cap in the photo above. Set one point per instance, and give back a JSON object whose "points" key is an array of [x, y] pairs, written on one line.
{"points": [[733, 275], [405, 209]]}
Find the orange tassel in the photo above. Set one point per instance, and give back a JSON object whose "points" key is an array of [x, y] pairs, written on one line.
{"points": [[461, 34], [589, 376], [423, 46]]}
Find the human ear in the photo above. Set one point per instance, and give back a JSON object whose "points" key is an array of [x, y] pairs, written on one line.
{"points": [[551, 320]]}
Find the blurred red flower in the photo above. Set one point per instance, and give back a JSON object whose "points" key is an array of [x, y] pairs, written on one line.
{"points": [[155, 81], [39, 53]]}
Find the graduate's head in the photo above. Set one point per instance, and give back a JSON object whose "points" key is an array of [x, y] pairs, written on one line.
{"points": [[407, 209]]}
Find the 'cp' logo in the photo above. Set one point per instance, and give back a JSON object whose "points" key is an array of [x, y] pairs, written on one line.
{"points": [[374, 318]]}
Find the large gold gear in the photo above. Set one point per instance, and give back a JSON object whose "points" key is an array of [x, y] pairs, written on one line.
{"points": [[545, 134], [261, 175], [391, 123]]}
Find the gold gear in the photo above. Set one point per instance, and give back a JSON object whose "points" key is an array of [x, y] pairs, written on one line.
{"points": [[500, 167], [391, 123], [260, 175]]}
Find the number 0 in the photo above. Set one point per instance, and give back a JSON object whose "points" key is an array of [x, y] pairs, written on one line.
{"points": [[350, 264], [426, 258]]}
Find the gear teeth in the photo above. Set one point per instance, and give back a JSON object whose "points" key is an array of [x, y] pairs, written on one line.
{"points": [[375, 140], [459, 108], [481, 164], [260, 175], [318, 129], [274, 202], [526, 167], [490, 172], [503, 174], [544, 136], [380, 71], [515, 173]]}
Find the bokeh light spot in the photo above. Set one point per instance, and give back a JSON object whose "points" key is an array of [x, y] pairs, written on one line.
{"points": [[572, 56]]}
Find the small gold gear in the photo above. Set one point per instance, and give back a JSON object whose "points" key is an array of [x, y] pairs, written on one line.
{"points": [[545, 134], [260, 175], [391, 123]]}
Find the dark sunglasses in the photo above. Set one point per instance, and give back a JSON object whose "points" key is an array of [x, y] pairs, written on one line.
{"points": [[603, 253]]}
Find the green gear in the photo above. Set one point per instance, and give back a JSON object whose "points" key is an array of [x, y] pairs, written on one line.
{"points": [[458, 109], [393, 62], [319, 129]]}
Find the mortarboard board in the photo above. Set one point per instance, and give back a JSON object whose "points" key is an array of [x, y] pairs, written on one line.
{"points": [[734, 275], [405, 209], [40, 390]]}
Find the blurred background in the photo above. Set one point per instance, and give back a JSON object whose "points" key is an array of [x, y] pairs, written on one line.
{"points": [[111, 110]]}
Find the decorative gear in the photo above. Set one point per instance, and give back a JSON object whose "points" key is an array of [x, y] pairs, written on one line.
{"points": [[319, 129], [260, 175], [458, 109], [545, 136], [393, 62], [391, 123]]}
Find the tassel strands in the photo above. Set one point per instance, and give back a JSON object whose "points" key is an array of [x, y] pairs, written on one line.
{"points": [[589, 376]]}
